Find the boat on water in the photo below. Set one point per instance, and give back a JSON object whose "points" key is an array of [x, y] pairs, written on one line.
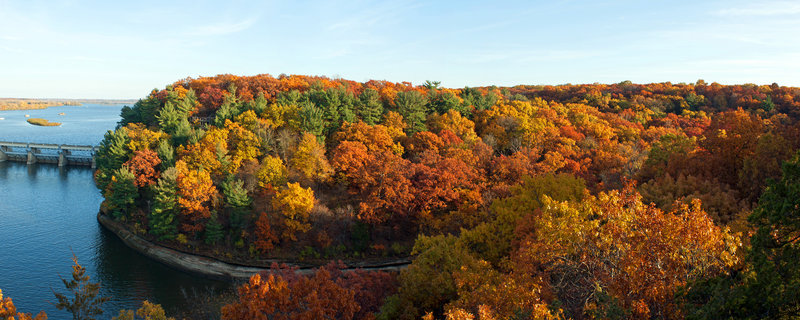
{"points": [[27, 116], [1, 118]]}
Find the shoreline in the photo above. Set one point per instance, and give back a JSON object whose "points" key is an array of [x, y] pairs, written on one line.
{"points": [[206, 266]]}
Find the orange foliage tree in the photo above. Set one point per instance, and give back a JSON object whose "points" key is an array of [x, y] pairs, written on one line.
{"points": [[143, 165], [9, 312], [328, 293], [195, 190]]}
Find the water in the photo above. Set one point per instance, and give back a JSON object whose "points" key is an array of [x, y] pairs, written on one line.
{"points": [[48, 213]]}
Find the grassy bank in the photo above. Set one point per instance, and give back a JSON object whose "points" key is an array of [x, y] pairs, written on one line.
{"points": [[43, 122]]}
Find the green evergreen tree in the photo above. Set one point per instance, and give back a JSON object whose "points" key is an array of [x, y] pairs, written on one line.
{"points": [[235, 193], [258, 105], [214, 231], [143, 111], [166, 153], [370, 107], [237, 201], [165, 205], [412, 106], [288, 98], [121, 193], [111, 154], [175, 122], [442, 102], [230, 108], [473, 97], [87, 302], [311, 118]]}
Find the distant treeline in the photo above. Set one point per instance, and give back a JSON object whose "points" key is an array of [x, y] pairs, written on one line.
{"points": [[26, 104]]}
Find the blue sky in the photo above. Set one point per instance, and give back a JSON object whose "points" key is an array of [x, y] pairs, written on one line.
{"points": [[122, 49]]}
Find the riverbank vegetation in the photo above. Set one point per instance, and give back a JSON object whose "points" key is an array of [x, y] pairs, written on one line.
{"points": [[43, 122], [27, 104], [572, 201]]}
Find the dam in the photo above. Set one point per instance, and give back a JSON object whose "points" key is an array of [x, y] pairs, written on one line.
{"points": [[61, 154]]}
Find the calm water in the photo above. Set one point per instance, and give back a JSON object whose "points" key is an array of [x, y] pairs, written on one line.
{"points": [[48, 213]]}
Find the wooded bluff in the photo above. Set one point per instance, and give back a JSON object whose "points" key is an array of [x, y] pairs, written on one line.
{"points": [[574, 201]]}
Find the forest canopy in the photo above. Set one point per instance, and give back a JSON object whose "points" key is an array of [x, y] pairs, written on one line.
{"points": [[579, 201]]}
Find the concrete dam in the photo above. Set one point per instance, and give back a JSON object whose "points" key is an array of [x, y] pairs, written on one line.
{"points": [[61, 154]]}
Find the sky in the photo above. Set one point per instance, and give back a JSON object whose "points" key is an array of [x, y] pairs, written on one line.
{"points": [[123, 49]]}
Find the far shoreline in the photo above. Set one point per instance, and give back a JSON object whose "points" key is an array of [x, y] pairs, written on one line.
{"points": [[11, 104]]}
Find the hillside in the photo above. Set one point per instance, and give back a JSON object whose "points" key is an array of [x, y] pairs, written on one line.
{"points": [[568, 200]]}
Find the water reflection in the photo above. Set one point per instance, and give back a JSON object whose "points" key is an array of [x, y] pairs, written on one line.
{"points": [[48, 213]]}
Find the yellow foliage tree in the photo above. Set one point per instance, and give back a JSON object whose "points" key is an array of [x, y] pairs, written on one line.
{"points": [[295, 203], [141, 138], [271, 173], [455, 122], [206, 153], [244, 144], [195, 189], [309, 159]]}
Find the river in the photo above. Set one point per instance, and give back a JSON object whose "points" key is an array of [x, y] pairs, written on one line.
{"points": [[48, 213]]}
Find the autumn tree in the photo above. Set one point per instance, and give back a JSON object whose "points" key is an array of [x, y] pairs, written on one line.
{"points": [[309, 159], [493, 240], [295, 204], [242, 143], [195, 189], [272, 173], [9, 312], [87, 302], [428, 283], [143, 165], [148, 311], [768, 287], [613, 252], [326, 294]]}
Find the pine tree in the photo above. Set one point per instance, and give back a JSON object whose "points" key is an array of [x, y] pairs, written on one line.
{"points": [[174, 122], [237, 201], [311, 118], [258, 105], [370, 106], [230, 108], [165, 207], [121, 192], [113, 152], [87, 302], [214, 231], [166, 153], [411, 105], [235, 193]]}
